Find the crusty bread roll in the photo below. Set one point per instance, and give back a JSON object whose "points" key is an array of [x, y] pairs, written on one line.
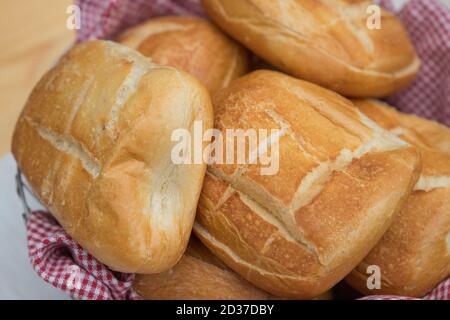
{"points": [[409, 126], [94, 142], [433, 134], [191, 44], [327, 295], [199, 275], [323, 41], [298, 232], [414, 254]]}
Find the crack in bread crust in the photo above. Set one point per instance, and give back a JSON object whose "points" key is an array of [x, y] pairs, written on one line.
{"points": [[69, 145], [428, 183], [203, 232]]}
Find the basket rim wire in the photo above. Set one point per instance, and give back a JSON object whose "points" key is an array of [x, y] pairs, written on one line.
{"points": [[24, 191]]}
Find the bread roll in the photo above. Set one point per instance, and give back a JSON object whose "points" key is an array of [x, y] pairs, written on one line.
{"points": [[298, 232], [323, 41], [414, 254], [190, 44], [327, 295], [94, 142], [199, 275], [422, 131], [433, 134]]}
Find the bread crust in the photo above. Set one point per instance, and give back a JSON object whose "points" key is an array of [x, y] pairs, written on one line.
{"points": [[94, 142], [297, 233], [418, 130], [414, 254], [326, 42], [199, 275], [191, 44]]}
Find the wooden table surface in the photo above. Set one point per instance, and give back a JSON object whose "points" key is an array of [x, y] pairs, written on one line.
{"points": [[33, 36]]}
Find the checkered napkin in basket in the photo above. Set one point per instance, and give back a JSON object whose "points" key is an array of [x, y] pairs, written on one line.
{"points": [[63, 263], [428, 24]]}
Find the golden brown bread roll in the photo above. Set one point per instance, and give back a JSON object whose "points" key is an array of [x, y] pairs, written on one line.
{"points": [[298, 232], [433, 134], [323, 41], [414, 254], [199, 275], [427, 132], [190, 44], [94, 142], [327, 295]]}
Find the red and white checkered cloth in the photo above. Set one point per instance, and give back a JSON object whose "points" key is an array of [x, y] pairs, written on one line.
{"points": [[104, 19], [60, 261], [63, 263], [441, 292], [428, 24]]}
